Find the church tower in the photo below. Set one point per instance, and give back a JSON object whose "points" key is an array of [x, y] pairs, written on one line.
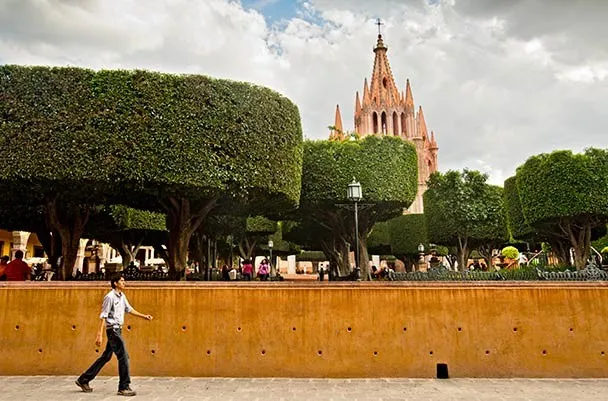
{"points": [[383, 110]]}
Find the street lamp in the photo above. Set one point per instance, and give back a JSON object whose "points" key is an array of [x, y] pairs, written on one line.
{"points": [[421, 252], [272, 268], [354, 194]]}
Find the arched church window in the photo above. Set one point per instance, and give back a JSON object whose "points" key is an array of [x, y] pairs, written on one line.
{"points": [[375, 122], [403, 123], [384, 123], [384, 82]]}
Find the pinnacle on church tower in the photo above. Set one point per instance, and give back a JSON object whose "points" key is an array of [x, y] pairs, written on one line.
{"points": [[409, 98], [337, 131]]}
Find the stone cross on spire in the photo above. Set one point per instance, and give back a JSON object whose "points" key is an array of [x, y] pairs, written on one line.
{"points": [[379, 23]]}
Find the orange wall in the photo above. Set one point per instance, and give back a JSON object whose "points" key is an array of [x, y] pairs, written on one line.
{"points": [[315, 329]]}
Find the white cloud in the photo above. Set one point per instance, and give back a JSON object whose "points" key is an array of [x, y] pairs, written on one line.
{"points": [[498, 81]]}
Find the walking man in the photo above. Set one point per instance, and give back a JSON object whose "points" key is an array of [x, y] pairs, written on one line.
{"points": [[112, 316]]}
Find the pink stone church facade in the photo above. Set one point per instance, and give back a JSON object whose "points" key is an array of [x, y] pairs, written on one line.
{"points": [[383, 110]]}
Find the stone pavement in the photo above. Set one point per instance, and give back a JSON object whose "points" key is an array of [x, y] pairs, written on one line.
{"points": [[49, 388]]}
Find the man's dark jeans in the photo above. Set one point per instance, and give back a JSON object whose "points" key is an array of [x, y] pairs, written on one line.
{"points": [[115, 345]]}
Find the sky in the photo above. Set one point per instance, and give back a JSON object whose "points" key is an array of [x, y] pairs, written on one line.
{"points": [[499, 81]]}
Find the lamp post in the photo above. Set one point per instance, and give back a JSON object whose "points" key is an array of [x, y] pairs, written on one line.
{"points": [[272, 268], [354, 194], [421, 253]]}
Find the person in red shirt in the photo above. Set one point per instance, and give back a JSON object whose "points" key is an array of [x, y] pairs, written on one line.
{"points": [[17, 270]]}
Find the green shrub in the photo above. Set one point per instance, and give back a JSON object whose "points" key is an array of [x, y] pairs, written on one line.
{"points": [[510, 252]]}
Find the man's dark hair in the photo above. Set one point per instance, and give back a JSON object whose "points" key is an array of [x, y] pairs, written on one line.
{"points": [[115, 279], [5, 258], [19, 254]]}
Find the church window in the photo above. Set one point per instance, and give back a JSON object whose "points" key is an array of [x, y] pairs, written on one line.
{"points": [[375, 122], [384, 123], [384, 82], [403, 123]]}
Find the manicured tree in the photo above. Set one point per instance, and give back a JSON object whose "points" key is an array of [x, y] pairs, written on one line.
{"points": [[519, 229], [566, 194], [180, 144], [406, 233], [127, 229], [461, 210], [386, 167]]}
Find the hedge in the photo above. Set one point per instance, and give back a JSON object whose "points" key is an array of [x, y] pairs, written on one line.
{"points": [[386, 167], [407, 232], [120, 134]]}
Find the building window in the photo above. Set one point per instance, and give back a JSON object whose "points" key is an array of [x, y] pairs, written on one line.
{"points": [[375, 122], [384, 123]]}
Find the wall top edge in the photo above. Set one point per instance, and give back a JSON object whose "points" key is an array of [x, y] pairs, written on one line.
{"points": [[310, 285]]}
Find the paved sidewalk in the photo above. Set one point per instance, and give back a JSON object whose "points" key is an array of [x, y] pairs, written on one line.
{"points": [[49, 388]]}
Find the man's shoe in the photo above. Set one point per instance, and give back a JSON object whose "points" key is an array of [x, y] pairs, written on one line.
{"points": [[127, 392], [84, 386]]}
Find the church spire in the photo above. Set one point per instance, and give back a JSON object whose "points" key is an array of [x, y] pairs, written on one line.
{"points": [[357, 105], [337, 131], [338, 120], [383, 90]]}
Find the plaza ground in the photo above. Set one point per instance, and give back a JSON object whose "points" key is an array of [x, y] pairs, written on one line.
{"points": [[50, 388]]}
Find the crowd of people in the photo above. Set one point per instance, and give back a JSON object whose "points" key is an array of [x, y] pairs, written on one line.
{"points": [[246, 271]]}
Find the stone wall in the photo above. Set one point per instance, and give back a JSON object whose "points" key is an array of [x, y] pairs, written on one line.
{"points": [[315, 329]]}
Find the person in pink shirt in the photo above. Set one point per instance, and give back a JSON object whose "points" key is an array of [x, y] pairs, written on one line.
{"points": [[247, 270], [264, 270]]}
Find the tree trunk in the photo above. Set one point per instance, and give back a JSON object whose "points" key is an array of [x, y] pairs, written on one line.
{"points": [[560, 249], [181, 224], [198, 244], [486, 252], [579, 236], [247, 247], [338, 257], [125, 254], [363, 261], [162, 252], [344, 261], [69, 221], [463, 253], [51, 242]]}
